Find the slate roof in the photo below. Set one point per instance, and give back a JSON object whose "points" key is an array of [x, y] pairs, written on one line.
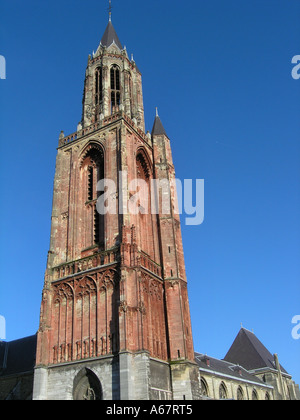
{"points": [[247, 353], [17, 356], [225, 369], [158, 128], [110, 36], [250, 353]]}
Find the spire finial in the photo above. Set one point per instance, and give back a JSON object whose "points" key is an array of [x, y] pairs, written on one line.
{"points": [[109, 10], [156, 110]]}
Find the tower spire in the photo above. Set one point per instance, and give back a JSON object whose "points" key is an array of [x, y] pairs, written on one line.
{"points": [[109, 10]]}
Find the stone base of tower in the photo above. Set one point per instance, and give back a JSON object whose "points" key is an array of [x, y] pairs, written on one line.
{"points": [[185, 379], [144, 378], [40, 384], [134, 376], [128, 376], [92, 379]]}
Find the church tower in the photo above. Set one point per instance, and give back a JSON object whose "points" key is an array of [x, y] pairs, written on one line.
{"points": [[115, 321]]}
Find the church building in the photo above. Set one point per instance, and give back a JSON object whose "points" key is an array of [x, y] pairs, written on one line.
{"points": [[115, 320]]}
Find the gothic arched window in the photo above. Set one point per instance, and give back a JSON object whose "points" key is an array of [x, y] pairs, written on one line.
{"points": [[98, 91], [222, 392], [204, 388], [240, 394], [143, 173], [92, 166], [98, 86], [115, 88], [254, 395]]}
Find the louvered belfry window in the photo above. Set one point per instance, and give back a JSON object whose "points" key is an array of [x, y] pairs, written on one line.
{"points": [[115, 88], [98, 86]]}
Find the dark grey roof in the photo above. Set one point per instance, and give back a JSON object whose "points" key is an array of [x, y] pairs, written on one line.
{"points": [[110, 36], [224, 368], [249, 352], [17, 356], [158, 128], [2, 354]]}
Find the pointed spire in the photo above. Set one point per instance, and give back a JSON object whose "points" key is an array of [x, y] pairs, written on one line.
{"points": [[158, 128], [110, 36]]}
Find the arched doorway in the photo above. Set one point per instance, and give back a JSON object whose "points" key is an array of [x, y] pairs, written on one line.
{"points": [[87, 386]]}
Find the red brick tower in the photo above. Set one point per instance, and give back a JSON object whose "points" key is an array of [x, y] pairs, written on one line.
{"points": [[115, 321]]}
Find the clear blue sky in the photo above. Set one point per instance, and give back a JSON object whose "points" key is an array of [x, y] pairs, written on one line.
{"points": [[220, 73]]}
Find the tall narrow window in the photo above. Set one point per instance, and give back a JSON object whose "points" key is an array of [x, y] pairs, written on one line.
{"points": [[203, 388], [240, 394], [115, 89], [98, 86], [96, 227], [146, 235], [222, 392], [90, 183], [92, 172]]}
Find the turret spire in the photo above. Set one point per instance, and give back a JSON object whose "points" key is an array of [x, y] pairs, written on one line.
{"points": [[158, 128]]}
